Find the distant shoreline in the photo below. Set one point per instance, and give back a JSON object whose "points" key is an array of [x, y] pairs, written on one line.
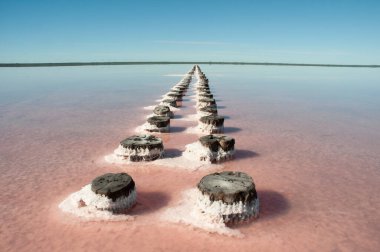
{"points": [[175, 63]]}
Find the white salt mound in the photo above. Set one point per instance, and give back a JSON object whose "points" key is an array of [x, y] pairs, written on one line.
{"points": [[91, 206], [209, 128], [170, 107], [201, 104], [196, 151], [122, 155], [239, 210], [203, 113], [190, 213], [148, 128]]}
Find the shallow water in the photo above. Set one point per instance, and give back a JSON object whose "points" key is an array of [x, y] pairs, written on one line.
{"points": [[308, 136]]}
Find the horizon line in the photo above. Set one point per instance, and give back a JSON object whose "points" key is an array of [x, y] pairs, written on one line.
{"points": [[100, 63]]}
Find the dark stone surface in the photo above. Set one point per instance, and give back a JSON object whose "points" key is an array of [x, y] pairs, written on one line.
{"points": [[142, 141], [210, 141], [159, 121], [212, 120], [229, 187], [113, 185], [210, 109], [147, 158], [214, 142], [162, 110], [226, 143], [171, 102]]}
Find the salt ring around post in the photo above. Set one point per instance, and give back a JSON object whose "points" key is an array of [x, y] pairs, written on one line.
{"points": [[159, 121], [214, 142], [176, 96], [229, 194], [140, 148], [162, 110], [212, 110], [170, 102], [179, 90], [212, 120]]}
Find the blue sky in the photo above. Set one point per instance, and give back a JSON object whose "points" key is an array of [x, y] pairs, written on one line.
{"points": [[346, 32]]}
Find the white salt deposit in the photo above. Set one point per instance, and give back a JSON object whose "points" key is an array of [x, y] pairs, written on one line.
{"points": [[201, 104], [91, 206], [150, 115], [170, 107], [148, 128], [122, 155], [126, 152], [196, 151], [203, 113], [241, 211], [170, 114], [188, 212], [167, 96], [209, 128]]}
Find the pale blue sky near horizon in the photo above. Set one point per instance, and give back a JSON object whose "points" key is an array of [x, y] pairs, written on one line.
{"points": [[335, 32]]}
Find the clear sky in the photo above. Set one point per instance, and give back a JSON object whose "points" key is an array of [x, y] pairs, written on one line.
{"points": [[318, 31]]}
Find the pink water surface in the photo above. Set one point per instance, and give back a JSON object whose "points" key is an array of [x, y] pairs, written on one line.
{"points": [[309, 137]]}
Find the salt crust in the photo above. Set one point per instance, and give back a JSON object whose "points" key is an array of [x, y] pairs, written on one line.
{"points": [[170, 115], [200, 104], [126, 152], [239, 211], [170, 107], [147, 127], [202, 127], [188, 212], [122, 155], [196, 151], [91, 206], [164, 97], [204, 113], [209, 128]]}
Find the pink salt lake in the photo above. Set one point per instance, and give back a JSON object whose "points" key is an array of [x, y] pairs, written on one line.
{"points": [[309, 137]]}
